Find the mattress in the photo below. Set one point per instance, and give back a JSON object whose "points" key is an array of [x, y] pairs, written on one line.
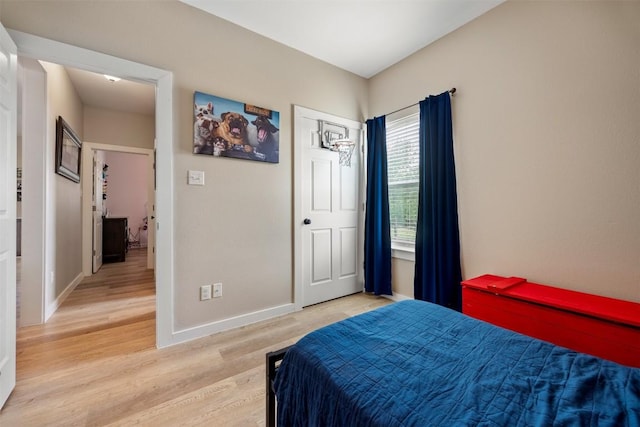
{"points": [[413, 363]]}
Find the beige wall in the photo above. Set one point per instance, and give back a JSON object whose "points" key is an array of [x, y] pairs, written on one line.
{"points": [[402, 273], [238, 228], [118, 128], [545, 124], [64, 101], [547, 141]]}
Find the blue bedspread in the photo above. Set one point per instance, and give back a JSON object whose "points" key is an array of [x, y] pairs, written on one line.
{"points": [[413, 363]]}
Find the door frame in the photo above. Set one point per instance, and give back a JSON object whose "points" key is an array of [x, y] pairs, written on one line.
{"points": [[35, 196], [300, 112], [8, 206], [88, 149], [64, 54]]}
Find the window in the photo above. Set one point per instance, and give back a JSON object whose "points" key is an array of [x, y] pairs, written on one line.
{"points": [[402, 170]]}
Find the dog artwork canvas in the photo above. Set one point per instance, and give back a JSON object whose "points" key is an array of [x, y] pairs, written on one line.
{"points": [[226, 128]]}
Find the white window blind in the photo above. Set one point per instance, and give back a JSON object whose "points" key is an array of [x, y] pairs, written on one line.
{"points": [[402, 170]]}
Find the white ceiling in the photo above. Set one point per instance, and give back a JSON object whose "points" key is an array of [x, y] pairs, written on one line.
{"points": [[127, 96], [361, 36]]}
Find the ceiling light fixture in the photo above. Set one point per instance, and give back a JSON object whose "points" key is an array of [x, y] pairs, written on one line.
{"points": [[111, 78]]}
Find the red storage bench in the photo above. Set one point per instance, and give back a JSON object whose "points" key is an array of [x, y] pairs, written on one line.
{"points": [[601, 326]]}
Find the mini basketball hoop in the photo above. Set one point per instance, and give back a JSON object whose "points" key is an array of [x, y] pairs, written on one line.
{"points": [[345, 150], [335, 137]]}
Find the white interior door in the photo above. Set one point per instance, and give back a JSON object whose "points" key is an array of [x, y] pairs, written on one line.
{"points": [[8, 122], [98, 182], [329, 217], [97, 241], [151, 211]]}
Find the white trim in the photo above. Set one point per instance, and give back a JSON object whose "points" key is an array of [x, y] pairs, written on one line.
{"points": [[51, 308], [117, 148], [408, 254], [164, 211], [35, 198], [397, 297], [8, 146], [64, 54], [231, 323], [48, 50]]}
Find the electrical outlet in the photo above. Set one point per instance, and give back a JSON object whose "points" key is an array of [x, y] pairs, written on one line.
{"points": [[205, 292], [217, 290]]}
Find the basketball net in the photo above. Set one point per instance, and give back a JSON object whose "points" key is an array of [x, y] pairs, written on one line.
{"points": [[345, 150]]}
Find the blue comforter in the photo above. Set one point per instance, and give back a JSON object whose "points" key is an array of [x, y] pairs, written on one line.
{"points": [[413, 363]]}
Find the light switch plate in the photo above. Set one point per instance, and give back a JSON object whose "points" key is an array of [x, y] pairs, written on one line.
{"points": [[195, 178]]}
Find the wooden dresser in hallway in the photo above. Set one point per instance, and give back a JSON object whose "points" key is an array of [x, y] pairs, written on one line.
{"points": [[114, 239]]}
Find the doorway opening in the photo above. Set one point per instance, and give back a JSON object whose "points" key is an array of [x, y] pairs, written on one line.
{"points": [[33, 47], [73, 206], [122, 196]]}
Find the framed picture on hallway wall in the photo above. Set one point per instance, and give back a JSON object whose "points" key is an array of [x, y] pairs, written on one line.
{"points": [[68, 148], [226, 128]]}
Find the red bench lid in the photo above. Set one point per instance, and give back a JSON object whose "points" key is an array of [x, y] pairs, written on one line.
{"points": [[615, 310]]}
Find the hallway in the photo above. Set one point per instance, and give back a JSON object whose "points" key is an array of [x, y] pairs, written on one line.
{"points": [[111, 313]]}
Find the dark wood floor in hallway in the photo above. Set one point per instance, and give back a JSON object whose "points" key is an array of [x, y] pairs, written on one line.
{"points": [[94, 363]]}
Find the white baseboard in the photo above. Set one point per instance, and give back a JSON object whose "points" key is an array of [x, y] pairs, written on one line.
{"points": [[397, 297], [230, 323], [51, 308]]}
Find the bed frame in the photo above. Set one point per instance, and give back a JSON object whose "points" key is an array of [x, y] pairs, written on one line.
{"points": [[273, 362]]}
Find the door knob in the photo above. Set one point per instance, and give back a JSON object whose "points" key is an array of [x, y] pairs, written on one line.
{"points": [[307, 221]]}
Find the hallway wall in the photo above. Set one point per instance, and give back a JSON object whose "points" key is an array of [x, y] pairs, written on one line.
{"points": [[118, 128], [65, 221]]}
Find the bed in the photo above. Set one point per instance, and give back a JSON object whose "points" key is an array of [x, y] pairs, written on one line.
{"points": [[413, 363]]}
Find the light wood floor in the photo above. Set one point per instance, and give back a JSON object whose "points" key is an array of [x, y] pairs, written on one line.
{"points": [[95, 362]]}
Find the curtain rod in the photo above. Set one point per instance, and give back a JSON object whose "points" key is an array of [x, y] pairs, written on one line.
{"points": [[451, 91]]}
